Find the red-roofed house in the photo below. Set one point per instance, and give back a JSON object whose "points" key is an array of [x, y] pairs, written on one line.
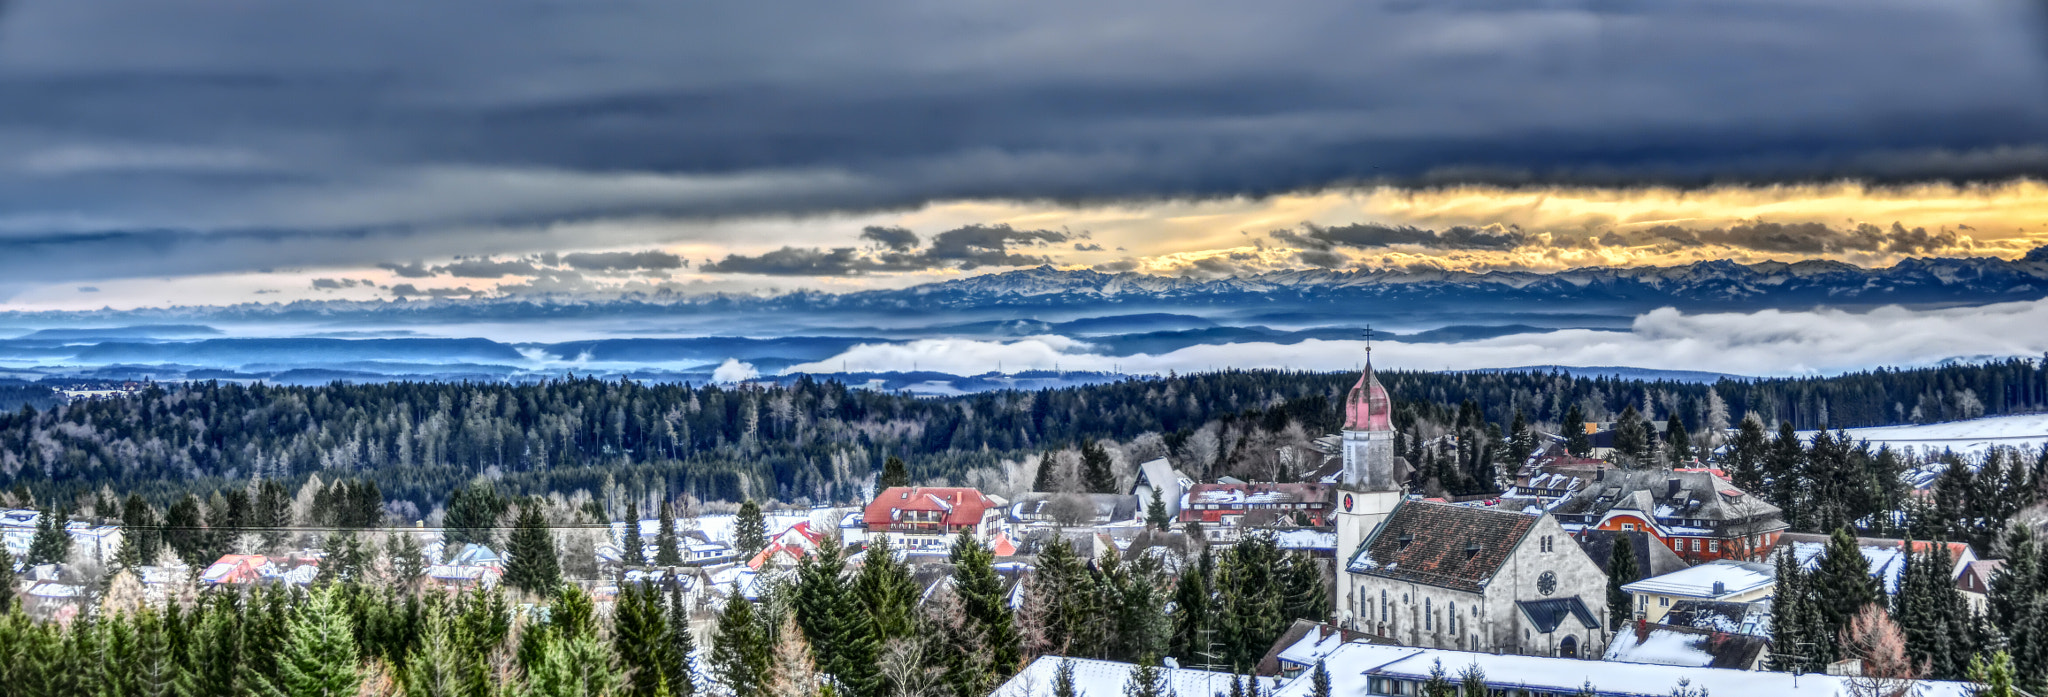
{"points": [[922, 518], [789, 547]]}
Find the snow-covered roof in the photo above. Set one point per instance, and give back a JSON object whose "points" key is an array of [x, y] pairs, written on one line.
{"points": [[1305, 539], [1352, 664], [1094, 678], [1733, 577], [1674, 646]]}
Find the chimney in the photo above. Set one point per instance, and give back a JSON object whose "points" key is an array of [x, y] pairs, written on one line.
{"points": [[1673, 487], [1720, 588]]}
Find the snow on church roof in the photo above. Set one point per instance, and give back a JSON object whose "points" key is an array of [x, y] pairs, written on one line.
{"points": [[1352, 664]]}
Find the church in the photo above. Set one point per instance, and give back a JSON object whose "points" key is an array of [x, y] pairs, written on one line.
{"points": [[1446, 576]]}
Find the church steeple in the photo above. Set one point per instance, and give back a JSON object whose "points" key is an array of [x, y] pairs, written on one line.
{"points": [[1367, 408]]}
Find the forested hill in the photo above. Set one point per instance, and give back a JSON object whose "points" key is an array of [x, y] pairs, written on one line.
{"points": [[820, 440]]}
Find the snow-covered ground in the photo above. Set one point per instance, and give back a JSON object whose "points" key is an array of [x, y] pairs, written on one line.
{"points": [[1970, 439]]}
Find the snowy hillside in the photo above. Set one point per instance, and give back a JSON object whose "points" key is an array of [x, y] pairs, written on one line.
{"points": [[1968, 438]]}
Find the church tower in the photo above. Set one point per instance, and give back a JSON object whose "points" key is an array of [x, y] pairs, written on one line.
{"points": [[1371, 483]]}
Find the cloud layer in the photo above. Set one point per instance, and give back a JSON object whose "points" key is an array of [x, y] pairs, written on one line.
{"points": [[1765, 343]]}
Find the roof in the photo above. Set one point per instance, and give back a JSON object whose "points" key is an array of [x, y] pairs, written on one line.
{"points": [[1094, 678], [1652, 557], [1735, 618], [1351, 664], [1306, 642], [1732, 577], [1457, 547], [1981, 572], [1686, 646], [1160, 473], [1109, 508], [1258, 493], [1548, 613], [957, 505], [1683, 494], [1367, 407]]}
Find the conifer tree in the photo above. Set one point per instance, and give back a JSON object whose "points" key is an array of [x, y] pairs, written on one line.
{"points": [[631, 552], [573, 614], [1784, 468], [841, 635], [640, 640], [667, 548], [318, 657], [1788, 612], [1155, 512], [884, 589], [1070, 626], [1993, 675], [472, 516], [750, 530], [1319, 685], [140, 537], [1305, 596], [2018, 609], [573, 667], [1147, 680], [1621, 571], [1191, 617], [51, 543], [1438, 684], [184, 532], [1096, 472], [1677, 443], [6, 582], [1576, 441], [1632, 438], [1841, 586], [681, 646], [408, 559], [1745, 459], [741, 651], [533, 566], [1521, 443], [1063, 679], [894, 473], [984, 602]]}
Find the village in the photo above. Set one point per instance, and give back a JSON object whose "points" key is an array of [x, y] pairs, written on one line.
{"points": [[1581, 575]]}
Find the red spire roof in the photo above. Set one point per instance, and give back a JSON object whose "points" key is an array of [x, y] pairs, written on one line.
{"points": [[1368, 408]]}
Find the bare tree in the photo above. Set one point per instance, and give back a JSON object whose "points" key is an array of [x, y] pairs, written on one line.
{"points": [[908, 665], [1874, 640]]}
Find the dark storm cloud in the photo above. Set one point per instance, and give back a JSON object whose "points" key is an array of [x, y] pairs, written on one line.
{"points": [[487, 268], [147, 118], [793, 261], [412, 270], [964, 248], [1370, 235], [894, 239], [650, 260], [1795, 238]]}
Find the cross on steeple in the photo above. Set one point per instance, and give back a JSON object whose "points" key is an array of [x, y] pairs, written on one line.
{"points": [[1368, 344]]}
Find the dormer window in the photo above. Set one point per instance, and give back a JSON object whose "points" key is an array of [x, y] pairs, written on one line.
{"points": [[1405, 540], [1472, 550]]}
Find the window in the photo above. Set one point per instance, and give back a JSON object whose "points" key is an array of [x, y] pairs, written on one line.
{"points": [[1383, 605], [1663, 601], [1428, 616], [1713, 545], [1451, 618], [1695, 545], [1642, 602], [1628, 527]]}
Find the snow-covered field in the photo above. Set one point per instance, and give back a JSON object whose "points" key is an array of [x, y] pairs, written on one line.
{"points": [[1967, 438]]}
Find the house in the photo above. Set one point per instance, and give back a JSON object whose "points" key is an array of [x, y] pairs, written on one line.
{"points": [[788, 547], [1302, 645], [1697, 513], [1223, 510], [96, 542], [922, 518], [1074, 509], [1975, 582], [1159, 475], [1887, 557], [53, 601], [1652, 558], [1094, 678], [239, 569], [1722, 581], [1445, 575], [708, 553], [1359, 670], [1688, 647], [453, 577]]}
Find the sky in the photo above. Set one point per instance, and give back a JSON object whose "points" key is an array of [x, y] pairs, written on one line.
{"points": [[227, 151]]}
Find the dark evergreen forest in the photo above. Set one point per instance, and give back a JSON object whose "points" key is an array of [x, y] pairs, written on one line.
{"points": [[813, 440]]}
